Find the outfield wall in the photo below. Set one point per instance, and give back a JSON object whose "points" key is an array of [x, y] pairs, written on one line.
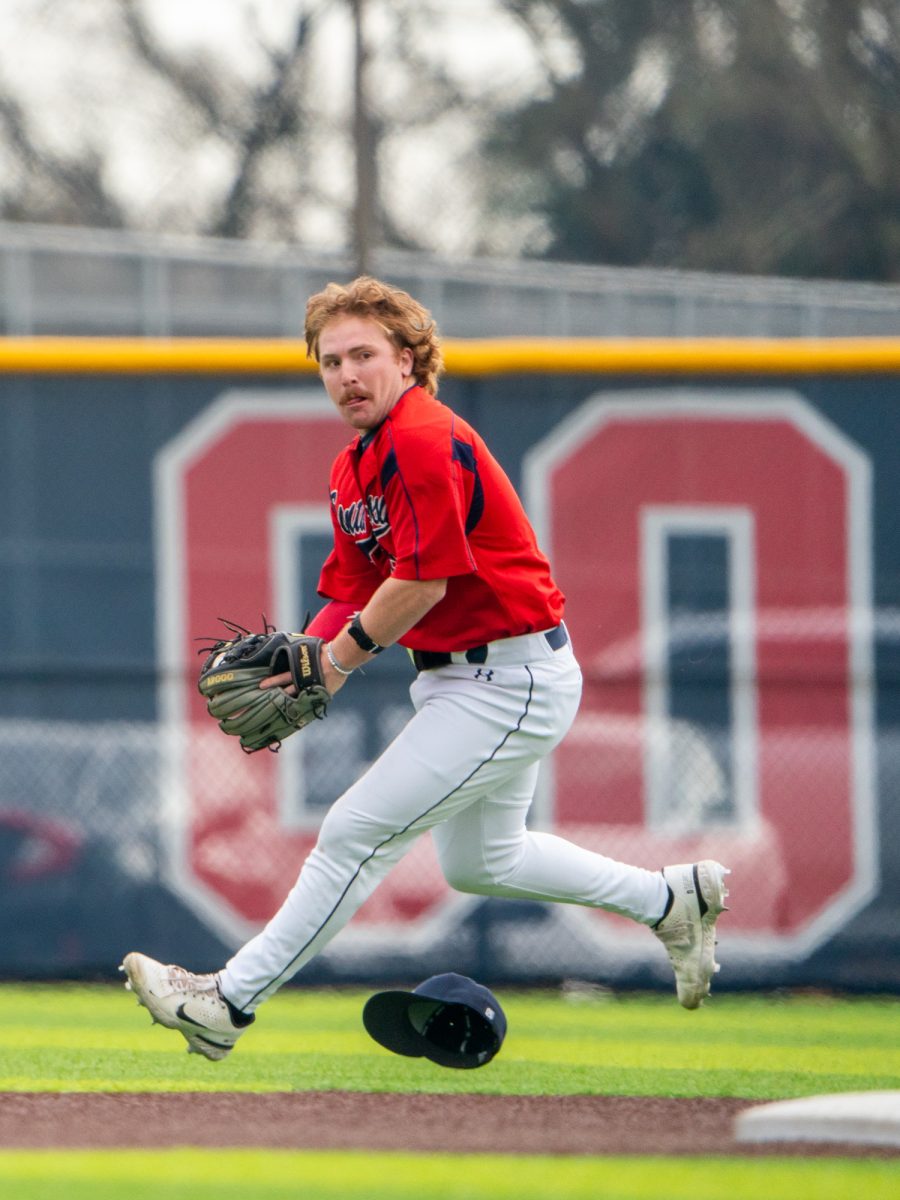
{"points": [[722, 518]]}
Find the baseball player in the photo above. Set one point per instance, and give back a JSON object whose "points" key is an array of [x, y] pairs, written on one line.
{"points": [[432, 549]]}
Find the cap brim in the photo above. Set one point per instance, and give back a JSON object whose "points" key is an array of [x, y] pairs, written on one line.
{"points": [[386, 1018]]}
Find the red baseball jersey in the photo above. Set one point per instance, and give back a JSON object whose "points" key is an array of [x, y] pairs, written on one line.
{"points": [[422, 497]]}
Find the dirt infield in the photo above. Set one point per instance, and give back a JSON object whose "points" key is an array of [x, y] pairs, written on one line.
{"points": [[362, 1121]]}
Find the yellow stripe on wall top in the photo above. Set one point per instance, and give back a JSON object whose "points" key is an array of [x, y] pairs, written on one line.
{"points": [[475, 357]]}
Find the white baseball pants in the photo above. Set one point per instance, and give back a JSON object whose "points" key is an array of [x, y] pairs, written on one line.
{"points": [[464, 767]]}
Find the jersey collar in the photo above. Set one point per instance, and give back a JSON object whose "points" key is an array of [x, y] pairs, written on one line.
{"points": [[366, 439]]}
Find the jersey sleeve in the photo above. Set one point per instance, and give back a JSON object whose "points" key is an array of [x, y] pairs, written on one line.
{"points": [[348, 577], [429, 497], [330, 620]]}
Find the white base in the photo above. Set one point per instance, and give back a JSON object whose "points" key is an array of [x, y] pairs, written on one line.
{"points": [[869, 1118]]}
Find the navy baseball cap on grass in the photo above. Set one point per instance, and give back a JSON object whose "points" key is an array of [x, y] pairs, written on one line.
{"points": [[449, 1019]]}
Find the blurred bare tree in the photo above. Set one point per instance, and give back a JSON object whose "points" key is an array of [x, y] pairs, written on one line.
{"points": [[288, 150], [43, 183], [758, 136], [256, 121]]}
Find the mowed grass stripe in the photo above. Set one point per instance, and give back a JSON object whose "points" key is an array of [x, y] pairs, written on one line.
{"points": [[672, 1052], [751, 1085], [104, 1007], [770, 1018], [277, 1175]]}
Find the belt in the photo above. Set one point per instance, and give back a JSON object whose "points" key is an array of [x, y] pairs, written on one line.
{"points": [[428, 660]]}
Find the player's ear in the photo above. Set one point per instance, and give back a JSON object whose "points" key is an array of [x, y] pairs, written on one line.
{"points": [[407, 360]]}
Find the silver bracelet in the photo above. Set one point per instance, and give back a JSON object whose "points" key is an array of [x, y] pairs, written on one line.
{"points": [[334, 662]]}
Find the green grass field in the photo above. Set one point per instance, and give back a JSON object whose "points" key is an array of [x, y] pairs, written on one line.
{"points": [[78, 1039]]}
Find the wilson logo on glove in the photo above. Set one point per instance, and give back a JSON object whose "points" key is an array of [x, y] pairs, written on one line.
{"points": [[305, 665]]}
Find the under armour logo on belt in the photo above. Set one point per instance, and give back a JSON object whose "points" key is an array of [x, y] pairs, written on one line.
{"points": [[487, 675]]}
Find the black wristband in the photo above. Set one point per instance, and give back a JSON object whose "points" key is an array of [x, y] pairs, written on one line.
{"points": [[361, 638]]}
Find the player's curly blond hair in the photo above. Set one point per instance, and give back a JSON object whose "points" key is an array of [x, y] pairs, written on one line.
{"points": [[406, 322]]}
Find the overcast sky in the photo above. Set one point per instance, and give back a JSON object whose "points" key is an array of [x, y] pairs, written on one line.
{"points": [[61, 57]]}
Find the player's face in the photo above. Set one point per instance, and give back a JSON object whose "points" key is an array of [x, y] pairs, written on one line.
{"points": [[363, 371]]}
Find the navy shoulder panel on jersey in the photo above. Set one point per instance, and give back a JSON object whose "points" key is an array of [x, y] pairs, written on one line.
{"points": [[464, 454]]}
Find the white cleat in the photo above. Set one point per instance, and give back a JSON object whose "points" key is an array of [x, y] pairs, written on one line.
{"points": [[688, 930], [192, 1004]]}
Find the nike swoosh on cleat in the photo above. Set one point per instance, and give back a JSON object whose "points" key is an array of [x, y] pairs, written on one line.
{"points": [[182, 1016]]}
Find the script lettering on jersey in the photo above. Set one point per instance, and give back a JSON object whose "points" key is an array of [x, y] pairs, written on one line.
{"points": [[378, 516], [352, 520]]}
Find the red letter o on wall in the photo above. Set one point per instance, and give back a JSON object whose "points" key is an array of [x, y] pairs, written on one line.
{"points": [[766, 466]]}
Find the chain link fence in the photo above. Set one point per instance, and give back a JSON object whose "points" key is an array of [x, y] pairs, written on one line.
{"points": [[55, 280]]}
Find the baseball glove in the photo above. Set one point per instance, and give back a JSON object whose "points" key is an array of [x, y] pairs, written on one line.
{"points": [[263, 718]]}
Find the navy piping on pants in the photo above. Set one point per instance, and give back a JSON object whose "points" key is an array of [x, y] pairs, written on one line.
{"points": [[399, 833]]}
